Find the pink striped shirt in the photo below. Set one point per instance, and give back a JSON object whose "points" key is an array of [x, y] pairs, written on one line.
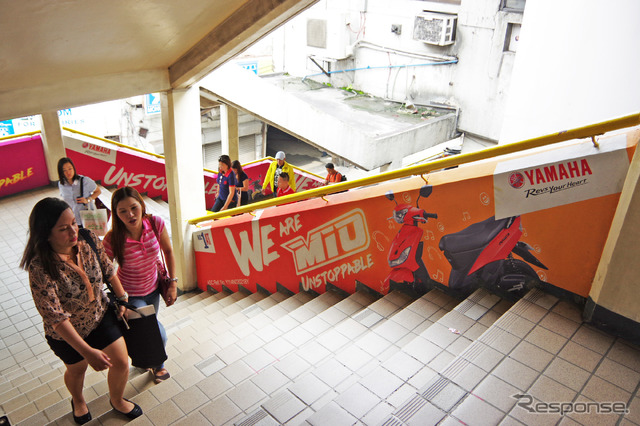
{"points": [[139, 274]]}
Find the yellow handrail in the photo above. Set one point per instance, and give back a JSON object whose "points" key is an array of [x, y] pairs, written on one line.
{"points": [[21, 135], [565, 135], [162, 156], [113, 142], [270, 159]]}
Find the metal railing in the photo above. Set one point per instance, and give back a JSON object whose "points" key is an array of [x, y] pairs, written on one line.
{"points": [[590, 131], [20, 135]]}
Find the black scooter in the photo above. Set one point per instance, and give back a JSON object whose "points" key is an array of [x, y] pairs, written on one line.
{"points": [[482, 254]]}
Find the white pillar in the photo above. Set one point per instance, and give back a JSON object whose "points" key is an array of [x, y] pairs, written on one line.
{"points": [[183, 163], [263, 142], [229, 131], [52, 142]]}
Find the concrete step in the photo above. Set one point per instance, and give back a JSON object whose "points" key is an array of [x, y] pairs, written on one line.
{"points": [[509, 358], [223, 355], [374, 395], [296, 352], [183, 350], [45, 393], [382, 364], [23, 374]]}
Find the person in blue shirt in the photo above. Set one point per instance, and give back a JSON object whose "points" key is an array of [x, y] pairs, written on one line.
{"points": [[226, 185], [242, 183], [76, 190]]}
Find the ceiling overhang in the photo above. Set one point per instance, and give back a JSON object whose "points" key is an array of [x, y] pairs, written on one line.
{"points": [[64, 54]]}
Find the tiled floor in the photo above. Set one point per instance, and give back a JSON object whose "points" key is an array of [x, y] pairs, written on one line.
{"points": [[331, 360]]}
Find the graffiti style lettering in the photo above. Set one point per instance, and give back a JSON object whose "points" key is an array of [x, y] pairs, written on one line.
{"points": [[257, 252], [338, 273], [210, 189], [139, 181], [341, 237], [303, 183], [290, 224], [16, 177]]}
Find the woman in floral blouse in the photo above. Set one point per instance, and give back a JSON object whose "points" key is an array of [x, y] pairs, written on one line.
{"points": [[66, 279]]}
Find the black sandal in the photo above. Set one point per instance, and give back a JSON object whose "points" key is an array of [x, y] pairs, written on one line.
{"points": [[135, 412], [85, 418], [158, 376]]}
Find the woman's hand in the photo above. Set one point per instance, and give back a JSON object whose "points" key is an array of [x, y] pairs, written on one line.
{"points": [[97, 359], [172, 294], [121, 311]]}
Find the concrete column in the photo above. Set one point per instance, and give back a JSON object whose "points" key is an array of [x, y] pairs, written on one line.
{"points": [[617, 282], [263, 147], [229, 131], [257, 146], [183, 163], [52, 142]]}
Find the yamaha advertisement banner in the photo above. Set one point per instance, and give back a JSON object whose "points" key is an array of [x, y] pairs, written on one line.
{"points": [[113, 166], [507, 223]]}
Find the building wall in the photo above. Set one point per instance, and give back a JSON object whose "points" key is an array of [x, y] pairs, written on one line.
{"points": [[360, 36], [577, 64]]}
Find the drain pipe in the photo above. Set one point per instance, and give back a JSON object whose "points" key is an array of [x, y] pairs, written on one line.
{"points": [[455, 61]]}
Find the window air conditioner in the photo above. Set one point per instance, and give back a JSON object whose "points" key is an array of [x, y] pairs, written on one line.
{"points": [[435, 28]]}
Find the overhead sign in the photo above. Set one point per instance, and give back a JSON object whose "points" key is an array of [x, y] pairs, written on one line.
{"points": [[152, 103]]}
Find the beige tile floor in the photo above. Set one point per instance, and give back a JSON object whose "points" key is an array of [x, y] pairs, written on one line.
{"points": [[238, 359]]}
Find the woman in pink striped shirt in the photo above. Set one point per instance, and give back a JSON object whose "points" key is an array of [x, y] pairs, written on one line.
{"points": [[133, 244]]}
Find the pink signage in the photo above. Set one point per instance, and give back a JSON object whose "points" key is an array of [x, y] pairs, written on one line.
{"points": [[255, 172], [114, 166], [23, 167]]}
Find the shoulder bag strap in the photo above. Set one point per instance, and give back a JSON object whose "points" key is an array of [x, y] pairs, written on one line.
{"points": [[86, 236], [155, 231]]}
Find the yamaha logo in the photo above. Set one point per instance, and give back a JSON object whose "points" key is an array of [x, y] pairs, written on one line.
{"points": [[516, 180], [96, 148]]}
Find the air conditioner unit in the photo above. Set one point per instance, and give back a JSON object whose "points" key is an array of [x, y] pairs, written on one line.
{"points": [[328, 36], [435, 28]]}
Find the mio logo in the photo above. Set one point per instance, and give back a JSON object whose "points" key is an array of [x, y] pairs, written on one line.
{"points": [[342, 237]]}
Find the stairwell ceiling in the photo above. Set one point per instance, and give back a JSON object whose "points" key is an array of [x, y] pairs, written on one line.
{"points": [[57, 54]]}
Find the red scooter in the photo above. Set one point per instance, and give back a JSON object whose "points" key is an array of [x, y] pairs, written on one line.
{"points": [[405, 254]]}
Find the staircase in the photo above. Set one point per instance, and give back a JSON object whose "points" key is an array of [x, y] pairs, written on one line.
{"points": [[336, 358]]}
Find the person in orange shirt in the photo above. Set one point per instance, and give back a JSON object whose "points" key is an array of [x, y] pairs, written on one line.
{"points": [[332, 175], [283, 185]]}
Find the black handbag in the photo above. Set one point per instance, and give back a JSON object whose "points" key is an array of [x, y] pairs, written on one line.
{"points": [[144, 341], [142, 335]]}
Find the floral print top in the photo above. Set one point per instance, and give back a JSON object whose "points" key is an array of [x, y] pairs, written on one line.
{"points": [[68, 297]]}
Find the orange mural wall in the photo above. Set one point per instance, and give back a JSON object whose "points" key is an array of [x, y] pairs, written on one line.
{"points": [[509, 223]]}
